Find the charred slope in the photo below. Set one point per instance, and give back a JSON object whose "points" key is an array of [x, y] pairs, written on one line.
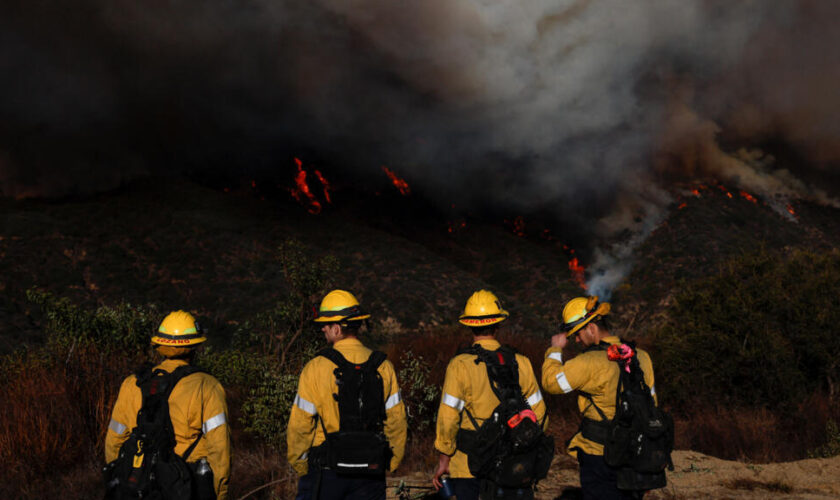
{"points": [[704, 231], [180, 245]]}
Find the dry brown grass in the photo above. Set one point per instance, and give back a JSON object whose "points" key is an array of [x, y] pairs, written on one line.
{"points": [[55, 412], [752, 485], [756, 434]]}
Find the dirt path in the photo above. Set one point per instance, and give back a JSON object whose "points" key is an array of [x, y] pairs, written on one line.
{"points": [[698, 476]]}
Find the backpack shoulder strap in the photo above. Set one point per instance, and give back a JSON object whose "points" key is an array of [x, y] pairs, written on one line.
{"points": [[182, 371], [333, 355], [143, 374], [600, 346], [376, 358], [472, 349], [592, 404]]}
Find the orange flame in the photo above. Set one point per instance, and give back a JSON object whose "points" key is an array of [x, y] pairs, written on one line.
{"points": [[748, 196], [397, 181], [695, 192], [519, 226], [451, 227], [723, 189], [682, 205], [325, 184], [578, 272], [790, 209], [302, 193]]}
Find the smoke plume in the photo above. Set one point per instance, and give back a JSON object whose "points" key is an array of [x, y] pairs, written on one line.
{"points": [[590, 107]]}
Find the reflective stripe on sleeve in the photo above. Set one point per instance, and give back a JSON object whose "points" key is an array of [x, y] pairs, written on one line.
{"points": [[556, 356], [305, 405], [652, 391], [563, 382], [535, 398], [213, 422], [393, 401], [117, 427], [450, 400], [304, 456]]}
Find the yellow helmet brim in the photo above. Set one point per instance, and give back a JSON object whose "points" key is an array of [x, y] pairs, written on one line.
{"points": [[488, 320], [339, 318]]}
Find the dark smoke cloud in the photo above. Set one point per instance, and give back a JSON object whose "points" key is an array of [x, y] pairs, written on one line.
{"points": [[589, 106]]}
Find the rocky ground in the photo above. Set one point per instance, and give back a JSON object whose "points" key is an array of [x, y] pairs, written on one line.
{"points": [[699, 476]]}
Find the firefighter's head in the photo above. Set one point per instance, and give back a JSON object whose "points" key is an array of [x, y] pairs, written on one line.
{"points": [[178, 335], [340, 315], [483, 313], [585, 319]]}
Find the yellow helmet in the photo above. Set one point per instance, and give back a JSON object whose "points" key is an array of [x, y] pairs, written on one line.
{"points": [[179, 329], [580, 311], [483, 309], [339, 306]]}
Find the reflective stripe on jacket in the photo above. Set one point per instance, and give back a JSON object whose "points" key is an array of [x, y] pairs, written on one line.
{"points": [[197, 402], [315, 400], [590, 372], [467, 386]]}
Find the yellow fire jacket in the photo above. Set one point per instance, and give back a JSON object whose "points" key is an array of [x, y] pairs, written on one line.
{"points": [[197, 403], [590, 372], [315, 400], [467, 387]]}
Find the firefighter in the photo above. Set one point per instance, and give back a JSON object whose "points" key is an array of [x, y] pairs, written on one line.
{"points": [[197, 406], [467, 395], [315, 411], [596, 378]]}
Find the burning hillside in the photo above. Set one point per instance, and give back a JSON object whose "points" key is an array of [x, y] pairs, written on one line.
{"points": [[506, 112]]}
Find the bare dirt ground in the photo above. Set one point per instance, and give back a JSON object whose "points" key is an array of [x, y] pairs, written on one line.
{"points": [[700, 476]]}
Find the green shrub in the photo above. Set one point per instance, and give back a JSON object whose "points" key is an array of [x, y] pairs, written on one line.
{"points": [[759, 332], [285, 329], [831, 447], [420, 395], [124, 327], [267, 391], [266, 410], [234, 368]]}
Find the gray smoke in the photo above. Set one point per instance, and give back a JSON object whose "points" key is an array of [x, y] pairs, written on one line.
{"points": [[590, 107]]}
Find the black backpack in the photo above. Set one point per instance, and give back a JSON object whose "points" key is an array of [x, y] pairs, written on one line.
{"points": [[639, 439], [359, 446], [147, 465], [509, 448]]}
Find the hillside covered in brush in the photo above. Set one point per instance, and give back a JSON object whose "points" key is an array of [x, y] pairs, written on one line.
{"points": [[175, 243]]}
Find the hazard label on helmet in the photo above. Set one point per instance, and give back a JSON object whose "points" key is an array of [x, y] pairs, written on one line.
{"points": [[173, 341], [481, 321]]}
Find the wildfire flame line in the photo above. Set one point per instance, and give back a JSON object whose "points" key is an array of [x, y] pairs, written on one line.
{"points": [[303, 194], [325, 184], [578, 272], [397, 181]]}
